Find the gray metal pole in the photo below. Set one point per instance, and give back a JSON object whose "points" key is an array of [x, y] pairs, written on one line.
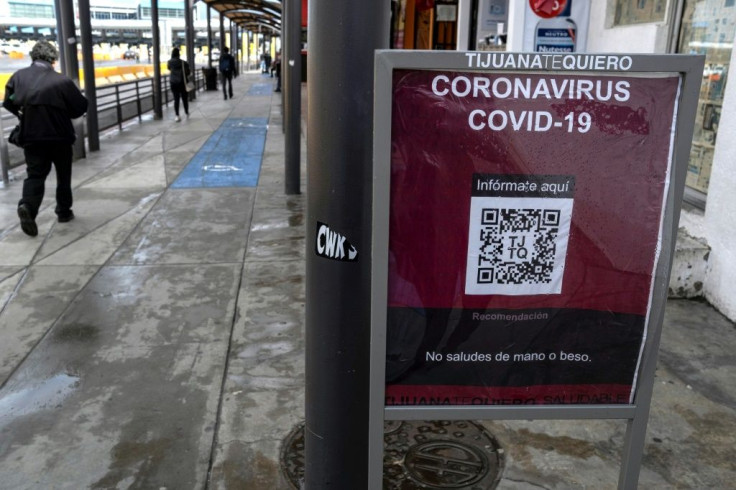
{"points": [[239, 46], [246, 51], [340, 122], [261, 38], [293, 98], [189, 23], [60, 36], [222, 32], [209, 36], [233, 43], [251, 40], [158, 112], [69, 38], [239, 43], [4, 157], [284, 67], [90, 89]]}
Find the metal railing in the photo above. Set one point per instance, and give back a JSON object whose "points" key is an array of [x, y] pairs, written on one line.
{"points": [[116, 104]]}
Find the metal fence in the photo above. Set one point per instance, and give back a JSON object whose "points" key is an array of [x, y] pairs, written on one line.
{"points": [[116, 104]]}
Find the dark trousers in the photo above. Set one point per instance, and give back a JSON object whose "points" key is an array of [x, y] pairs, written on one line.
{"points": [[180, 92], [39, 158], [227, 78]]}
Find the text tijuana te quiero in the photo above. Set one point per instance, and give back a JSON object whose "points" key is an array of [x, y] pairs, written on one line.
{"points": [[550, 61]]}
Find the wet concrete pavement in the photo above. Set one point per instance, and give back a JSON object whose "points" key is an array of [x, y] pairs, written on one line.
{"points": [[692, 425], [144, 343], [156, 341]]}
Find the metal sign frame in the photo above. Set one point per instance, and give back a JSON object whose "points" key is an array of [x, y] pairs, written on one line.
{"points": [[689, 68]]}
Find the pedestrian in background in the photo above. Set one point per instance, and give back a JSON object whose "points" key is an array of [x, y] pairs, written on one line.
{"points": [[277, 69], [178, 69], [45, 102], [227, 68]]}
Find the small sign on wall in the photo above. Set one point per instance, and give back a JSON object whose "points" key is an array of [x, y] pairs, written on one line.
{"points": [[556, 26], [446, 13]]}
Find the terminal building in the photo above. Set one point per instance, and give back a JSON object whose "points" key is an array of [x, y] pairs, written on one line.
{"points": [[113, 22]]}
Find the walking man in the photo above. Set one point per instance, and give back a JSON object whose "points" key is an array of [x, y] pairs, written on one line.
{"points": [[227, 68], [45, 102]]}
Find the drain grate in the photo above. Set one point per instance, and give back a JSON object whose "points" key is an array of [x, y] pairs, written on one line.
{"points": [[420, 455], [292, 457]]}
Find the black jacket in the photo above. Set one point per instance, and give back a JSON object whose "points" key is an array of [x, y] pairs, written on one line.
{"points": [[175, 66], [46, 102], [227, 63]]}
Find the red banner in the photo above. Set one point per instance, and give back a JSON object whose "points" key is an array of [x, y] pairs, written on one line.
{"points": [[524, 222]]}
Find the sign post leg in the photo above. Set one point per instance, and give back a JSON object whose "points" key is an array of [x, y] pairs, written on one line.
{"points": [[633, 449]]}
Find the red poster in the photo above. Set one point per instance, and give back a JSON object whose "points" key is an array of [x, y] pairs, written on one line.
{"points": [[524, 228]]}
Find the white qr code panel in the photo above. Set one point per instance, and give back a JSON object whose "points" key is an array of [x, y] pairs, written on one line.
{"points": [[517, 245]]}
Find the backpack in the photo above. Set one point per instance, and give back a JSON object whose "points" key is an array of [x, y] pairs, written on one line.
{"points": [[226, 63]]}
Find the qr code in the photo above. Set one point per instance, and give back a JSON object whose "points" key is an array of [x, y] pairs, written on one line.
{"points": [[517, 245]]}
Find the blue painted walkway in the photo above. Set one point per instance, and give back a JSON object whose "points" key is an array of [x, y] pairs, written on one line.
{"points": [[260, 89], [231, 157]]}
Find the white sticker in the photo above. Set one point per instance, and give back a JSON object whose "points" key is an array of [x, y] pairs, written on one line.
{"points": [[332, 245]]}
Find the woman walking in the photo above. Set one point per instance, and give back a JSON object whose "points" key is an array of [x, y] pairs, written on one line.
{"points": [[177, 69]]}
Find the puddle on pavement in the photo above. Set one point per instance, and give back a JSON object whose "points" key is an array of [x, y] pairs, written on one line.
{"points": [[76, 333], [48, 393]]}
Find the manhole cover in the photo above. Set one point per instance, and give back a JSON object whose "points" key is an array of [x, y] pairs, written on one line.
{"points": [[292, 457], [418, 455]]}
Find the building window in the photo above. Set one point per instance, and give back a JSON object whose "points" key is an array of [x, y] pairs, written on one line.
{"points": [[163, 13], [122, 16], [699, 36], [34, 11], [639, 11]]}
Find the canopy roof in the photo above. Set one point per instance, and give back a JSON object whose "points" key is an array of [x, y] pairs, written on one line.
{"points": [[250, 14]]}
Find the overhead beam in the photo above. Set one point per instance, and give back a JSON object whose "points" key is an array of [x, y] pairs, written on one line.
{"points": [[254, 27], [266, 12]]}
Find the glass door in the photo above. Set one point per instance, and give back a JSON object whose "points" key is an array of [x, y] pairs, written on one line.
{"points": [[707, 28]]}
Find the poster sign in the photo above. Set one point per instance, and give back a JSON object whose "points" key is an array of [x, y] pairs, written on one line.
{"points": [[524, 227], [525, 210], [556, 26]]}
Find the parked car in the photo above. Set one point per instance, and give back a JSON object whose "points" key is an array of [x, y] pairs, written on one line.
{"points": [[130, 55]]}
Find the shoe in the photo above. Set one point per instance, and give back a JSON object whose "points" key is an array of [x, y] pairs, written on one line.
{"points": [[66, 217], [231, 96], [27, 222], [224, 97], [177, 119]]}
